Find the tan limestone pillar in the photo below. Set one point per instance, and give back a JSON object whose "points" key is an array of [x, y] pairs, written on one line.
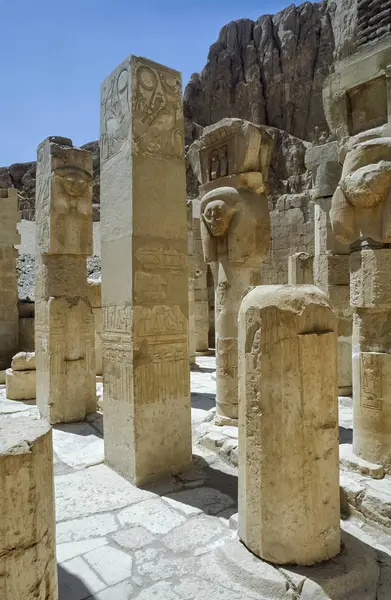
{"points": [[370, 295], [288, 425], [64, 323], [331, 260], [95, 300], [144, 251], [231, 160], [201, 307], [9, 238], [361, 216], [191, 276], [28, 568]]}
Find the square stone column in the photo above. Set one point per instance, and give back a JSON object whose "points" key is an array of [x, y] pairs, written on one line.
{"points": [[144, 249], [370, 295], [331, 259], [64, 323], [201, 304], [9, 314]]}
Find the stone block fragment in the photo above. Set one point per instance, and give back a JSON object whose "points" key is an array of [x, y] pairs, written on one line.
{"points": [[28, 568]]}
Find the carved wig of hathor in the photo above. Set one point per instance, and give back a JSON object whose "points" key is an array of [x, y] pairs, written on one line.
{"points": [[231, 161]]}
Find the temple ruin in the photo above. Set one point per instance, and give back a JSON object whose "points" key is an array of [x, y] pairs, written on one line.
{"points": [[195, 377]]}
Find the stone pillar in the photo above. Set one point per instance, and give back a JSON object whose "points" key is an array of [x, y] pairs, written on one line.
{"points": [[288, 425], [361, 215], [231, 160], [64, 323], [144, 249], [191, 275], [95, 300], [300, 268], [28, 568], [331, 260], [9, 238], [200, 285]]}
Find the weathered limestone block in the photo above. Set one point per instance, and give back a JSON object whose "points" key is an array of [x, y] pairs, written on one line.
{"points": [[300, 268], [95, 299], [9, 238], [191, 273], [331, 259], [144, 272], [288, 425], [370, 295], [23, 361], [201, 305], [64, 324], [231, 161], [20, 379], [361, 216], [356, 96], [28, 568], [20, 385]]}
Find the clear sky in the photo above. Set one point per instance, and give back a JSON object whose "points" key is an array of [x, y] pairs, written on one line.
{"points": [[54, 55]]}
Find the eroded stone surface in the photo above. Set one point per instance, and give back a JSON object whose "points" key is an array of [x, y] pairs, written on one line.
{"points": [[64, 325], [27, 543], [288, 425], [231, 161], [145, 308]]}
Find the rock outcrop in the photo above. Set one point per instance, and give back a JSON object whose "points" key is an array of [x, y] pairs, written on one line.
{"points": [[269, 72]]}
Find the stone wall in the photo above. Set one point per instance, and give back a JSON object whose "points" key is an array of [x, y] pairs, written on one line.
{"points": [[373, 20]]}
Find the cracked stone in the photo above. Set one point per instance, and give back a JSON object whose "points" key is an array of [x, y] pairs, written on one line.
{"points": [[209, 500], [85, 528], [195, 532], [154, 515], [112, 564], [71, 549], [133, 538], [97, 489]]}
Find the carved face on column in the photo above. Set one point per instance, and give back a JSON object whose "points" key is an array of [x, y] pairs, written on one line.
{"points": [[361, 204], [71, 209], [217, 216]]}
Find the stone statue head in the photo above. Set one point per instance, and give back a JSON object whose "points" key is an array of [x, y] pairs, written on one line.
{"points": [[217, 216], [361, 204], [73, 181]]}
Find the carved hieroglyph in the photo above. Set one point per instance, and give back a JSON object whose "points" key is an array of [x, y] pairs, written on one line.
{"points": [[64, 324], [144, 272], [27, 543], [289, 505], [9, 238], [361, 216], [231, 160]]}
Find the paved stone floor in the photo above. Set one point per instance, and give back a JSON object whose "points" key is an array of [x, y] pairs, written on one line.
{"points": [[173, 541]]}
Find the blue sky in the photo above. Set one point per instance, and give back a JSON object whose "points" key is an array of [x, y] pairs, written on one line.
{"points": [[54, 55]]}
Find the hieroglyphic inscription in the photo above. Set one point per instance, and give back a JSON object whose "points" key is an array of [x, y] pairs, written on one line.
{"points": [[116, 114], [117, 319], [164, 376], [162, 258], [157, 106], [159, 321], [371, 380]]}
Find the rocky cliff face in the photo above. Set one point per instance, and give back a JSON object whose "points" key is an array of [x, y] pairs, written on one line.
{"points": [[270, 72]]}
